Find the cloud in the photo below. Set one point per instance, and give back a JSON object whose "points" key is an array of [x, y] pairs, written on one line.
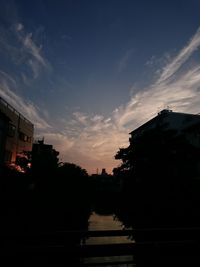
{"points": [[99, 138], [61, 141], [80, 117], [34, 58], [31, 47], [23, 49], [20, 48], [28, 109], [92, 140], [180, 93], [181, 58], [122, 64], [7, 77], [35, 69], [19, 27], [25, 79]]}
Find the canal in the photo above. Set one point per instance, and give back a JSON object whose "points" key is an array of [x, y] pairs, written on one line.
{"points": [[107, 222]]}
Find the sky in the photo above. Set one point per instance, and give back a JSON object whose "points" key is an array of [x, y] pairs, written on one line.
{"points": [[88, 72]]}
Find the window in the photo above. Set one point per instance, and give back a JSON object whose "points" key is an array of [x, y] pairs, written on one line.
{"points": [[24, 137], [11, 130]]}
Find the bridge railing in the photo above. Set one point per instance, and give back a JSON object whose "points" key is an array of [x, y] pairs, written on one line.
{"points": [[155, 245]]}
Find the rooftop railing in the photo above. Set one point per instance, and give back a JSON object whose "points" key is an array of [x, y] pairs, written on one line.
{"points": [[8, 106]]}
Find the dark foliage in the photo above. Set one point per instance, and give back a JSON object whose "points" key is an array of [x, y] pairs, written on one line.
{"points": [[36, 206], [159, 172]]}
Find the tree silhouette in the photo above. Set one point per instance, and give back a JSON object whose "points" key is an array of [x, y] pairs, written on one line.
{"points": [[158, 171]]}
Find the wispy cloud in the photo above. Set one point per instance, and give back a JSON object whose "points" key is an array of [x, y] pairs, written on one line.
{"points": [[33, 49], [122, 64], [80, 117], [92, 140], [35, 60], [21, 49], [180, 93], [60, 140], [19, 27], [7, 77], [99, 137], [96, 142], [181, 58], [35, 67], [28, 109]]}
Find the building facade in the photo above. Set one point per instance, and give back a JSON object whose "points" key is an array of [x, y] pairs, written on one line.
{"points": [[166, 120], [4, 123], [16, 133]]}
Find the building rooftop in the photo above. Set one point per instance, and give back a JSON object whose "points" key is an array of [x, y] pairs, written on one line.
{"points": [[166, 113], [8, 106]]}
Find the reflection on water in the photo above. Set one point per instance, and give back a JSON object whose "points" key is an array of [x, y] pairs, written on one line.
{"points": [[104, 222], [107, 222]]}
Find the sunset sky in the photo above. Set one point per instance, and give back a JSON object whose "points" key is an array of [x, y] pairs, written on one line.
{"points": [[87, 72]]}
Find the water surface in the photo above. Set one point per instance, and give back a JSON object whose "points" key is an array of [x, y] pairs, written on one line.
{"points": [[107, 222]]}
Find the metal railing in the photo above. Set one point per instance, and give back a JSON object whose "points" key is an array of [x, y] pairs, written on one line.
{"points": [[8, 106], [155, 245], [108, 254]]}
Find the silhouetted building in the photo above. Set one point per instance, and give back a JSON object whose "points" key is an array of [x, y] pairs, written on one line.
{"points": [[168, 144], [4, 122], [44, 156], [104, 182], [160, 171], [103, 172], [183, 123], [16, 133]]}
